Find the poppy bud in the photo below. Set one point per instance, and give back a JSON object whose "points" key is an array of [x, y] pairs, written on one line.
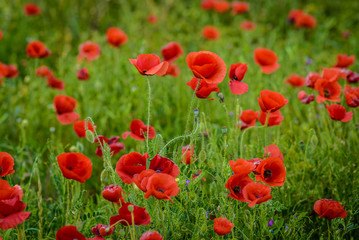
{"points": [[73, 148], [90, 136], [130, 208], [196, 112], [314, 140], [221, 98], [24, 123], [224, 130], [79, 147]]}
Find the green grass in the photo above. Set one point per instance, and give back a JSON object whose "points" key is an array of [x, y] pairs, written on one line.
{"points": [[320, 154]]}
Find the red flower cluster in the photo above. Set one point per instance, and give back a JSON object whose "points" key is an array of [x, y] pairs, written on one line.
{"points": [[222, 6], [65, 106], [51, 80], [301, 19]]}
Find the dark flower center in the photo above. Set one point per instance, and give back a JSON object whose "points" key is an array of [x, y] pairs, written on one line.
{"points": [[161, 190], [326, 93], [235, 77], [236, 189], [267, 173], [257, 196]]}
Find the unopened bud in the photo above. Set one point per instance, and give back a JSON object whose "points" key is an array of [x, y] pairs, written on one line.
{"points": [[130, 208], [314, 140], [224, 130], [221, 98], [90, 136]]}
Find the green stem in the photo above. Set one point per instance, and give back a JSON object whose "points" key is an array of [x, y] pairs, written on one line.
{"points": [[68, 201], [266, 130], [148, 112]]}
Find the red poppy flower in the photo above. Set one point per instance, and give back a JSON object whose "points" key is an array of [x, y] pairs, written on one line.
{"points": [[75, 166], [235, 184], [55, 83], [89, 50], [113, 193], [204, 89], [256, 193], [8, 71], [83, 74], [242, 166], [328, 90], [236, 74], [266, 59], [304, 98], [210, 33], [275, 118], [271, 101], [102, 230], [80, 128], [188, 154], [164, 165], [344, 60], [222, 226], [207, 66], [352, 77], [295, 80], [311, 79], [248, 118], [294, 15], [150, 64], [152, 19], [247, 25], [1, 34], [142, 179], [11, 206], [271, 171], [6, 164], [273, 151], [32, 9], [333, 74], [330, 209], [207, 4], [43, 71], [69, 233], [129, 165], [338, 112], [221, 6], [151, 235], [239, 7], [116, 37], [161, 186], [171, 51], [173, 70], [64, 106], [139, 130], [306, 21], [352, 96], [115, 146], [141, 216], [37, 49]]}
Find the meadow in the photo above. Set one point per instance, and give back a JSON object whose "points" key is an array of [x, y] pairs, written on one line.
{"points": [[320, 153]]}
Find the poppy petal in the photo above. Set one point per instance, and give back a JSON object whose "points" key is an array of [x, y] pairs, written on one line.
{"points": [[238, 88]]}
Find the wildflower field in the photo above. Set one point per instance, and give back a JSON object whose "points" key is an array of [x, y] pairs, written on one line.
{"points": [[165, 119]]}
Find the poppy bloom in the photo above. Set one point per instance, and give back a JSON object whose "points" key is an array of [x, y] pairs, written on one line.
{"points": [[248, 118], [8, 71], [207, 4], [236, 74], [1, 34], [141, 216], [304, 98], [69, 232], [171, 51], [333, 74], [344, 60], [247, 25], [294, 15], [75, 166], [338, 112], [37, 49], [274, 119], [161, 186], [173, 70], [305, 20], [204, 89], [207, 66], [55, 83], [115, 146], [221, 6], [235, 184], [150, 64], [328, 90], [352, 77], [129, 165], [210, 33], [83, 74], [11, 206], [141, 179], [43, 71], [64, 106], [266, 59], [32, 9], [330, 209], [188, 154], [242, 166], [102, 230], [271, 171], [271, 101], [311, 79], [89, 50], [273, 151], [139, 131], [113, 193], [6, 164], [239, 7], [256, 193], [295, 80], [152, 19], [164, 165], [151, 235], [352, 96], [80, 128], [222, 226], [116, 37]]}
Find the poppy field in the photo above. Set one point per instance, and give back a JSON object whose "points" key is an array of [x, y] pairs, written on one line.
{"points": [[164, 119]]}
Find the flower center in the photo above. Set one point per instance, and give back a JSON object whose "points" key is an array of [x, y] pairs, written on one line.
{"points": [[326, 93], [236, 189], [161, 190], [267, 173]]}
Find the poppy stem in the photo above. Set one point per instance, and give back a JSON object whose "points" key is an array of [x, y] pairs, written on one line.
{"points": [[238, 114], [266, 130], [68, 201], [148, 112]]}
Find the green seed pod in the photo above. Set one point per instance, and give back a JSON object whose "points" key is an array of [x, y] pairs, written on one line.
{"points": [[130, 208], [314, 140], [90, 136]]}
